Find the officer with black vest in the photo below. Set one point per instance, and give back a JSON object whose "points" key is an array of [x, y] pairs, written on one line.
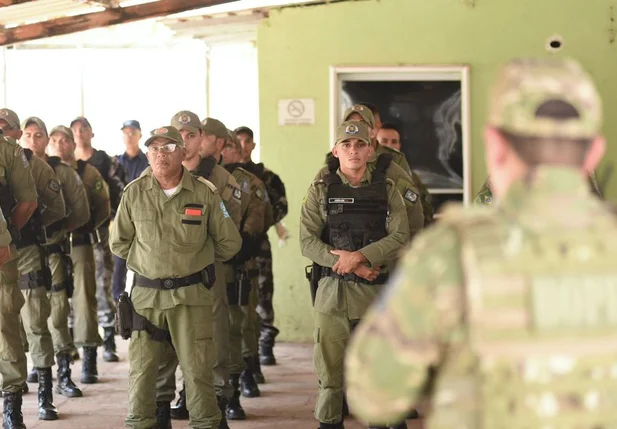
{"points": [[353, 224]]}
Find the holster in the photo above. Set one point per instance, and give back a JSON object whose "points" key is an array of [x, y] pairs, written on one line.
{"points": [[128, 320], [238, 291], [313, 275]]}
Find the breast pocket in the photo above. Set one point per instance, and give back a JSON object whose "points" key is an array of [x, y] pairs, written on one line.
{"points": [[189, 230], [145, 229]]}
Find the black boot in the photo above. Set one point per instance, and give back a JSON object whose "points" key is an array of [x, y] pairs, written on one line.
{"points": [[266, 345], [249, 387], [33, 376], [257, 374], [47, 409], [12, 418], [331, 425], [163, 420], [89, 373], [221, 401], [24, 388], [109, 345], [179, 411], [65, 385], [234, 410]]}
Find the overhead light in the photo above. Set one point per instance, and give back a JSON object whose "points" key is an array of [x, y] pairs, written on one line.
{"points": [[238, 5], [128, 3]]}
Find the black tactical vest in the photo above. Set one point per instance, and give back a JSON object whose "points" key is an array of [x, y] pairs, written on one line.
{"points": [[356, 217], [33, 231], [205, 167]]}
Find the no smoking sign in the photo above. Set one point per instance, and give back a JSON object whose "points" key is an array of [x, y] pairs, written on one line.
{"points": [[299, 111]]}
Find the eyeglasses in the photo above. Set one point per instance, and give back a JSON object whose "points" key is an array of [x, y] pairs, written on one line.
{"points": [[166, 148]]}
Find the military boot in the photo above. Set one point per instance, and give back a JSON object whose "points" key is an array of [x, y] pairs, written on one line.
{"points": [[109, 345], [33, 376], [179, 411], [89, 373], [221, 401], [257, 374], [47, 409], [234, 410], [12, 418], [163, 420], [266, 345], [65, 385], [249, 386]]}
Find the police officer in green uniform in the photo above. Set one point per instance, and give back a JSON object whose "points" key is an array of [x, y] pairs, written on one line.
{"points": [[36, 139], [62, 145], [34, 273], [244, 322], [504, 318], [169, 227], [352, 226], [18, 198], [206, 166]]}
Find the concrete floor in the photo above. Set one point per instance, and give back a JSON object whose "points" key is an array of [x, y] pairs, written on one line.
{"points": [[287, 400]]}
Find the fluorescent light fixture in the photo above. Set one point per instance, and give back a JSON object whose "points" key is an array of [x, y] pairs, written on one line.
{"points": [[239, 5]]}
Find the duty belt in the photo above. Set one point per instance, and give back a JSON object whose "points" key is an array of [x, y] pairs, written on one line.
{"points": [[54, 248], [60, 286], [170, 282], [32, 280], [381, 278], [80, 240]]}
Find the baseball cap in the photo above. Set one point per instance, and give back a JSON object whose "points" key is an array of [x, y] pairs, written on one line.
{"points": [[524, 85], [131, 123], [363, 111], [10, 117], [63, 130], [170, 133], [244, 130], [353, 130], [82, 120], [34, 120], [186, 120], [214, 126], [234, 139]]}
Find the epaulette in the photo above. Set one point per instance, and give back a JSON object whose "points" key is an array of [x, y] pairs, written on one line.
{"points": [[208, 183]]}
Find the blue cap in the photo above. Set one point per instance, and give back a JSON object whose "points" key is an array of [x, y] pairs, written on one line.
{"points": [[131, 124]]}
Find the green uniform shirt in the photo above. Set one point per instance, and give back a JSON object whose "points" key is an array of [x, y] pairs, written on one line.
{"points": [[420, 324], [51, 201], [339, 297], [75, 197], [163, 237], [5, 236], [254, 202], [97, 192]]}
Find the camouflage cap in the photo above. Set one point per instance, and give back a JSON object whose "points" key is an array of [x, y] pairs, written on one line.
{"points": [[62, 130], [34, 120], [214, 126], [170, 133], [186, 120], [363, 111], [352, 130], [10, 117], [524, 85], [234, 139], [82, 120]]}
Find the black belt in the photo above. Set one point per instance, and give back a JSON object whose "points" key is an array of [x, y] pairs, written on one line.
{"points": [[170, 282], [80, 240], [32, 280], [328, 272], [59, 287], [54, 248]]}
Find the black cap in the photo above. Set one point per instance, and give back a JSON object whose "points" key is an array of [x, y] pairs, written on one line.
{"points": [[244, 130], [132, 123], [82, 120]]}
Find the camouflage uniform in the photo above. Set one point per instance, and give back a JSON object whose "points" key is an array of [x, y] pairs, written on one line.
{"points": [[502, 317]]}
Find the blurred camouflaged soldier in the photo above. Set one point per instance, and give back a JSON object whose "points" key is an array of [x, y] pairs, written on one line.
{"points": [[113, 174], [352, 226], [78, 213], [500, 316], [257, 216], [278, 200], [18, 198], [34, 273], [86, 333], [205, 166], [169, 227]]}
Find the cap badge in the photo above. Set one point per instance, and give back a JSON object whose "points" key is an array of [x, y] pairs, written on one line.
{"points": [[160, 131], [184, 119], [357, 108], [351, 129], [4, 113]]}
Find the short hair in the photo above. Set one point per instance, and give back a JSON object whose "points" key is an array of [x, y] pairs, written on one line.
{"points": [[244, 130], [372, 107], [556, 150], [391, 126]]}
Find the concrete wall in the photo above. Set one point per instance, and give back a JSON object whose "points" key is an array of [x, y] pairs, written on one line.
{"points": [[297, 46]]}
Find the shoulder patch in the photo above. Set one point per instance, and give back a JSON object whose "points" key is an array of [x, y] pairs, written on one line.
{"points": [[208, 183], [24, 160], [224, 210], [98, 185], [411, 196], [54, 186], [237, 194], [245, 187], [259, 193], [77, 178]]}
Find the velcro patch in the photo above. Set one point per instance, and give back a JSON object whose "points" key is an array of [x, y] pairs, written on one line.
{"points": [[411, 196], [54, 186], [192, 212], [237, 193]]}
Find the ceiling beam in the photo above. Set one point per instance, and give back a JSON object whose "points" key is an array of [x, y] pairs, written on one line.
{"points": [[112, 16], [12, 2]]}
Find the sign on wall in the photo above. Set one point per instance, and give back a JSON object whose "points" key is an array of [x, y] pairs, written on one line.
{"points": [[299, 111]]}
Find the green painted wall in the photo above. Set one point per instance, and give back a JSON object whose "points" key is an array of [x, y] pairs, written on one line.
{"points": [[297, 46]]}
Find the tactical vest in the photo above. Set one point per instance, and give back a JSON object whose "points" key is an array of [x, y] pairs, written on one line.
{"points": [[355, 217], [541, 326], [205, 167], [33, 231], [88, 228]]}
